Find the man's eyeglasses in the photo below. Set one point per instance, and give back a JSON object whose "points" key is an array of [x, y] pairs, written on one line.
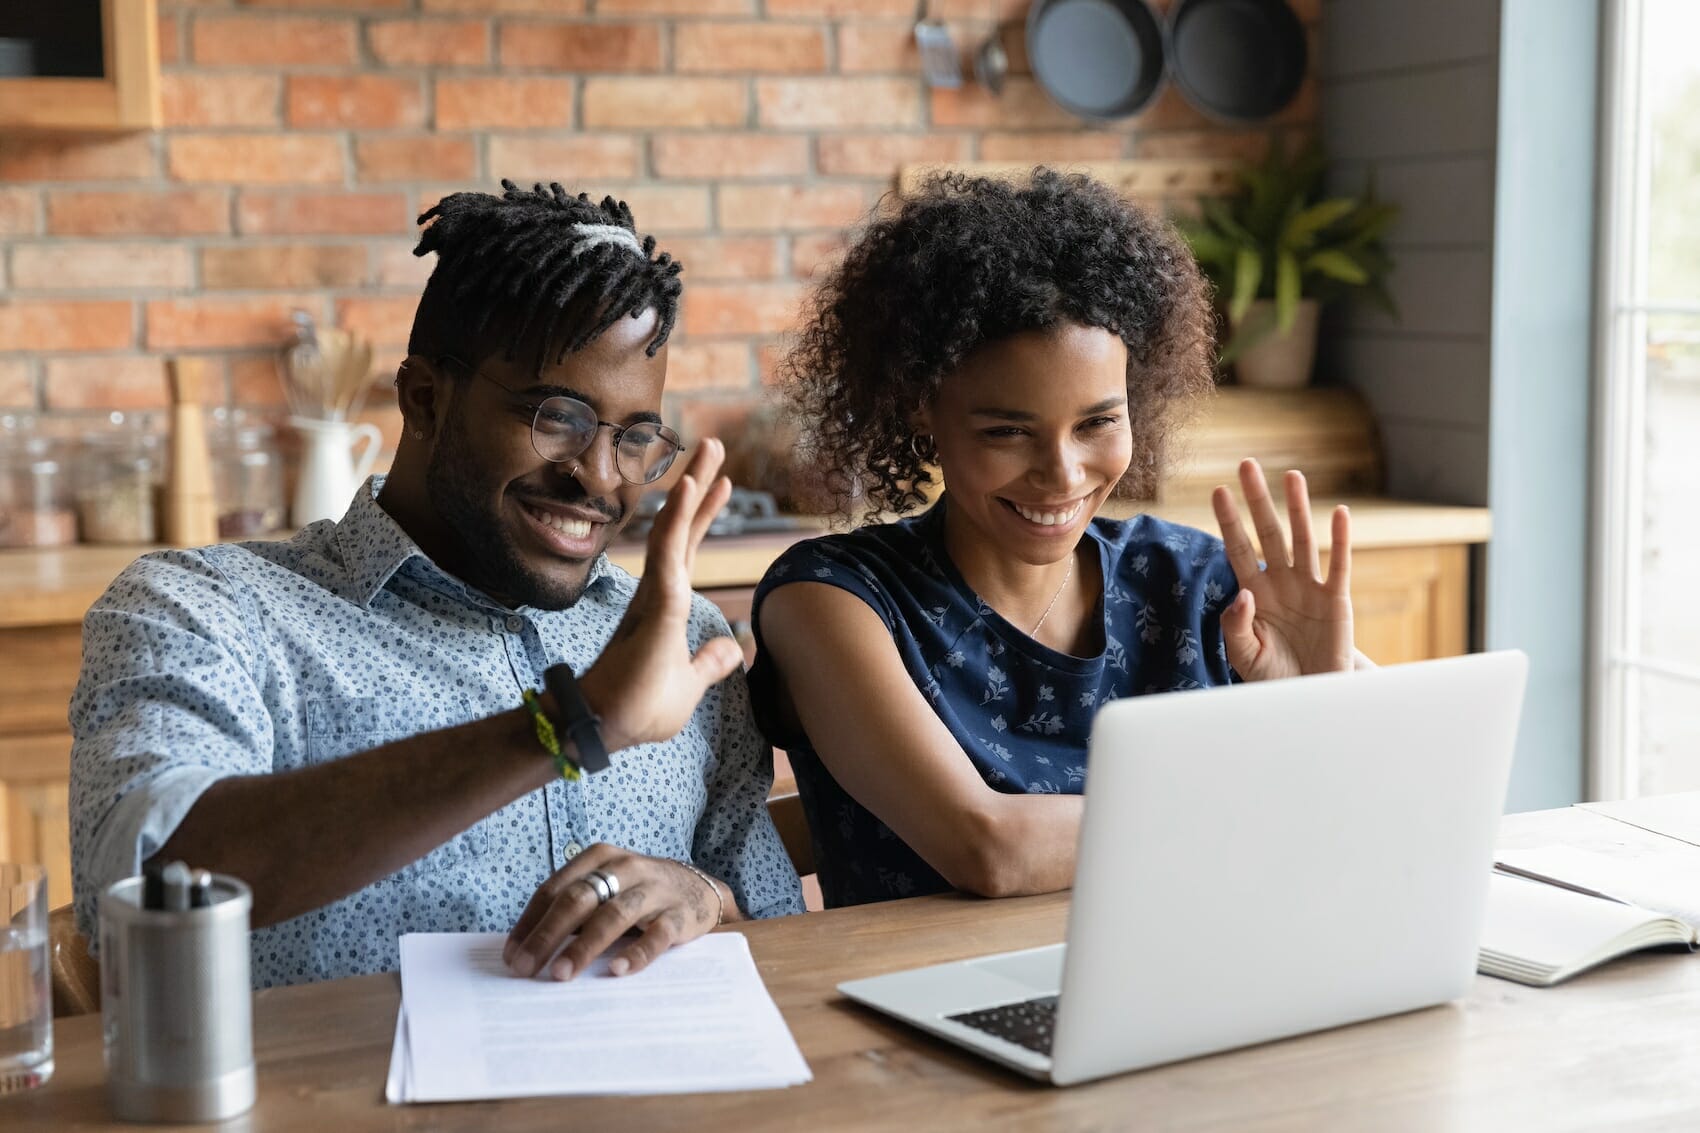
{"points": [[563, 428]]}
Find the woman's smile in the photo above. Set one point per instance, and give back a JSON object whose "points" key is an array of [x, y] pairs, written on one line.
{"points": [[1060, 517]]}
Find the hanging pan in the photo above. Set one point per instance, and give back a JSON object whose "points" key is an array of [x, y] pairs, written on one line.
{"points": [[1098, 59], [1237, 60]]}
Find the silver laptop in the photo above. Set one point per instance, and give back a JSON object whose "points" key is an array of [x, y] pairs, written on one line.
{"points": [[1255, 862]]}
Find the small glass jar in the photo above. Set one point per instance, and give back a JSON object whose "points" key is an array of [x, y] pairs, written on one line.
{"points": [[247, 477], [118, 483], [35, 487]]}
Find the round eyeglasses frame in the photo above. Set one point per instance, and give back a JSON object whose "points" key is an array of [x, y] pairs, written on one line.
{"points": [[642, 434]]}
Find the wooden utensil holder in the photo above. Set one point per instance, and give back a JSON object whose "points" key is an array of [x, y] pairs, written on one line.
{"points": [[191, 513]]}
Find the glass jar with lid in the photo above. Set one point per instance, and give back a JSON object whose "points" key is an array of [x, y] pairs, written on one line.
{"points": [[247, 476], [119, 482], [35, 486]]}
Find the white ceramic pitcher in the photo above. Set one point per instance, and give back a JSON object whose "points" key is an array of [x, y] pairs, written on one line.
{"points": [[329, 470]]}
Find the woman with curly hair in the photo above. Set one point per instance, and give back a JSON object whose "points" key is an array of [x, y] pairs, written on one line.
{"points": [[934, 678]]}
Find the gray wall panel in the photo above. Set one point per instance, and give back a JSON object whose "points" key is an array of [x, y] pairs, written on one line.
{"points": [[1366, 36], [1416, 379], [1445, 464], [1410, 95], [1444, 201], [1443, 112], [1439, 292]]}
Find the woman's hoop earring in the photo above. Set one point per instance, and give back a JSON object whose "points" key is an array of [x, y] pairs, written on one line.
{"points": [[915, 446]]}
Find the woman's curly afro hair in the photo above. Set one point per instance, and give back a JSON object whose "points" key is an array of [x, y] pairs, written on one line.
{"points": [[968, 261]]}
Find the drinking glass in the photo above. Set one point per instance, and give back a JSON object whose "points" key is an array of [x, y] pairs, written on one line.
{"points": [[26, 1002]]}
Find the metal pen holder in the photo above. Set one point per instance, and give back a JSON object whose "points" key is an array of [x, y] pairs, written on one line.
{"points": [[176, 1005]]}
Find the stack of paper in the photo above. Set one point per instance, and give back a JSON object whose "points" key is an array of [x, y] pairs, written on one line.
{"points": [[697, 1019]]}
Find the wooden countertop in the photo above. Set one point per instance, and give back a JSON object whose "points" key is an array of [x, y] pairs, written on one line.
{"points": [[56, 586]]}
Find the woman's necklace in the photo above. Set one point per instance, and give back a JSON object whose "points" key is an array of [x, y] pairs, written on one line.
{"points": [[1054, 597]]}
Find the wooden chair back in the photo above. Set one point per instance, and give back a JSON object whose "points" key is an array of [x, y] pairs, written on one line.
{"points": [[793, 826], [75, 973]]}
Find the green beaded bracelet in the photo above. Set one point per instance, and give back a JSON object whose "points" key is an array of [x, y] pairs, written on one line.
{"points": [[545, 730]]}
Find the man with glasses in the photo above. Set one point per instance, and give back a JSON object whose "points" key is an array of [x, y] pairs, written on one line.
{"points": [[402, 721]]}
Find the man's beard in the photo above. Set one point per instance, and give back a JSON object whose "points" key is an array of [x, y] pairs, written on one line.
{"points": [[488, 547]]}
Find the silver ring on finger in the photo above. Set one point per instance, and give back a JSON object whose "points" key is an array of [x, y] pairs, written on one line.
{"points": [[607, 886], [598, 885]]}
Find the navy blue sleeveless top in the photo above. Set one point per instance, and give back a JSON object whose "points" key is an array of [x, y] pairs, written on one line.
{"points": [[1020, 710]]}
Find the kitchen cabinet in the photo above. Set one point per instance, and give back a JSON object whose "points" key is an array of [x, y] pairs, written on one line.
{"points": [[123, 96]]}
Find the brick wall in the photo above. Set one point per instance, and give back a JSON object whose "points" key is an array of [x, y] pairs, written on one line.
{"points": [[302, 138]]}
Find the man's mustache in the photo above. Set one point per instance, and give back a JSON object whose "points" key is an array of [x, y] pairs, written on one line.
{"points": [[610, 510]]}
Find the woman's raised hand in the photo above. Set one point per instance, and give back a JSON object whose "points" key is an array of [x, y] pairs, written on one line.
{"points": [[1287, 619]]}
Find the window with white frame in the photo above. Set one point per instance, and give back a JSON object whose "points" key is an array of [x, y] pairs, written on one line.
{"points": [[1645, 684]]}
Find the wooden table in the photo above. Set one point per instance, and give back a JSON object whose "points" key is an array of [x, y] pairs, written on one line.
{"points": [[1616, 1049]]}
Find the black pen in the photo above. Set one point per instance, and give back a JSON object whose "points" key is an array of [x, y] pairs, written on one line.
{"points": [[153, 884], [200, 893]]}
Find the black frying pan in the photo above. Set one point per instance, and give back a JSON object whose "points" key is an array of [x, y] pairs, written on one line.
{"points": [[1096, 58], [1237, 60]]}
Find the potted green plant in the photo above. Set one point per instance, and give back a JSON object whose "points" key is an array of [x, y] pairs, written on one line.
{"points": [[1276, 250]]}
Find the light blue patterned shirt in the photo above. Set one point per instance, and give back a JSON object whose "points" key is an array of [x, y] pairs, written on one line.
{"points": [[248, 658]]}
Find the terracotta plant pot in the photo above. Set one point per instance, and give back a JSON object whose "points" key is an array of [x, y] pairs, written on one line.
{"points": [[1279, 361]]}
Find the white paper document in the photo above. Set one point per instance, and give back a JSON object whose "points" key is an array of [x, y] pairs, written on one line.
{"points": [[698, 1019]]}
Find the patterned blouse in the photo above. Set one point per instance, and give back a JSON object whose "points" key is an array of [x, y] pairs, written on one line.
{"points": [[251, 658], [1020, 710]]}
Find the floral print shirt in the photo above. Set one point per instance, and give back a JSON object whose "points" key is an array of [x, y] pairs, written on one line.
{"points": [[253, 658], [1020, 711]]}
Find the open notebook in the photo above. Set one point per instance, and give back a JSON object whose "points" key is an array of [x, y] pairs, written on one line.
{"points": [[1541, 934], [1564, 910]]}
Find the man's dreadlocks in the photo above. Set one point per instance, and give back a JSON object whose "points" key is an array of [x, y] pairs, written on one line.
{"points": [[538, 270]]}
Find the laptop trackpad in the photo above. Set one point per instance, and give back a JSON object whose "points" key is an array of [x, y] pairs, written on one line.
{"points": [[1038, 968]]}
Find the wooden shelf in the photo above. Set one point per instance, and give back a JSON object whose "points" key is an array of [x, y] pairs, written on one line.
{"points": [[126, 99], [1144, 179], [1328, 431]]}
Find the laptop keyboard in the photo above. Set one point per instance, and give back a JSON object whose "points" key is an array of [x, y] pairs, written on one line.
{"points": [[1031, 1024]]}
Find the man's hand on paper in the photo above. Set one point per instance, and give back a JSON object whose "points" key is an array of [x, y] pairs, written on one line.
{"points": [[646, 684], [668, 902]]}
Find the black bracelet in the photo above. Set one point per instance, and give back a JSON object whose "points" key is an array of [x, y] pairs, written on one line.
{"points": [[578, 722]]}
